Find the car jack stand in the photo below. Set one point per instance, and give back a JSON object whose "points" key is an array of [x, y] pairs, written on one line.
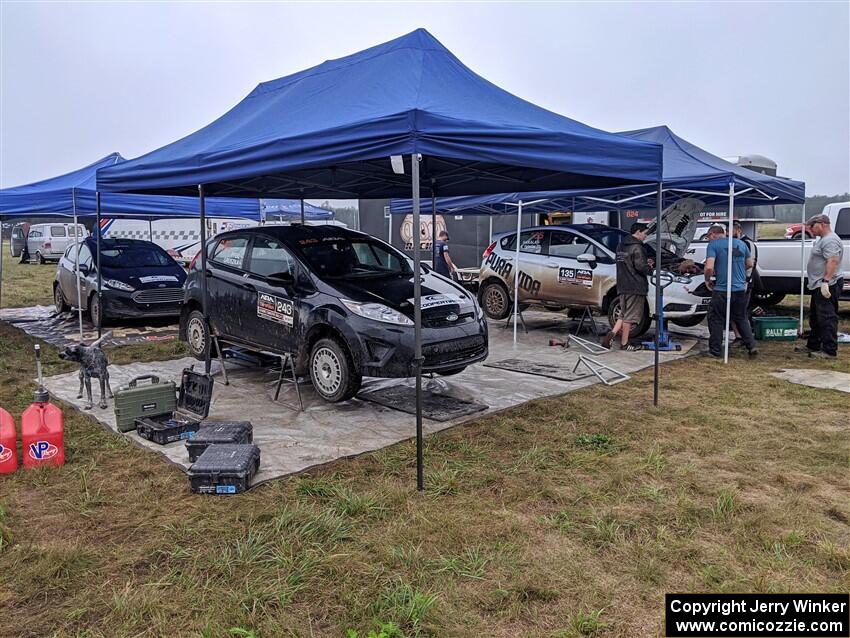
{"points": [[521, 320], [220, 354], [665, 344], [287, 361], [597, 368], [590, 346], [587, 315]]}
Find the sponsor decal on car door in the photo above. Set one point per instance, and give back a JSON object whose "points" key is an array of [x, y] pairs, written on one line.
{"points": [[568, 280]]}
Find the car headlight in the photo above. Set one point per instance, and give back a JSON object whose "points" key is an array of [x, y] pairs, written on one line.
{"points": [[118, 285], [682, 280], [377, 312]]}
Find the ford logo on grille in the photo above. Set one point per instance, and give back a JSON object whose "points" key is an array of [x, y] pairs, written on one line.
{"points": [[451, 317]]}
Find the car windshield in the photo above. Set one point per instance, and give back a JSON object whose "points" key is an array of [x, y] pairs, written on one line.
{"points": [[344, 257], [134, 256]]}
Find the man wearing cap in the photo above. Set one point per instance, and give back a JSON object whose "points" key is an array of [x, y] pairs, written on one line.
{"points": [[716, 264], [632, 270], [825, 283]]}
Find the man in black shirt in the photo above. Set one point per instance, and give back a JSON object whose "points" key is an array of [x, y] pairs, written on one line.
{"points": [[442, 259]]}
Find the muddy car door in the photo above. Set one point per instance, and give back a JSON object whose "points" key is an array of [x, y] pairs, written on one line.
{"points": [[572, 270], [532, 262], [226, 285], [272, 273]]}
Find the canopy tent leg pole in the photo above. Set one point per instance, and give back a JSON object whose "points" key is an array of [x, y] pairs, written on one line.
{"points": [[417, 320], [434, 226], [490, 217], [802, 267], [302, 211], [202, 214], [659, 207], [150, 230], [730, 231], [77, 264], [516, 265], [99, 271]]}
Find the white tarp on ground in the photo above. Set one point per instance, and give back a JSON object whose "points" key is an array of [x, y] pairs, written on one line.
{"points": [[823, 379], [292, 441]]}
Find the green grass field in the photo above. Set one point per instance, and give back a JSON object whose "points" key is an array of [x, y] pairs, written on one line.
{"points": [[26, 284], [565, 517]]}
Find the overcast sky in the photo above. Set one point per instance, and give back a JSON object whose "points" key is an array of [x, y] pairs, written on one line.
{"points": [[82, 80]]}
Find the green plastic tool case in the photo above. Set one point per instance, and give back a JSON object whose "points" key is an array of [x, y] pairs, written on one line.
{"points": [[193, 406], [136, 400]]}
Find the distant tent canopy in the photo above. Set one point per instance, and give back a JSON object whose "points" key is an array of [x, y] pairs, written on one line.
{"points": [[74, 194], [689, 171], [291, 209]]}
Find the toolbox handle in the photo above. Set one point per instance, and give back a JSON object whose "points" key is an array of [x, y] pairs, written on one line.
{"points": [[152, 377]]}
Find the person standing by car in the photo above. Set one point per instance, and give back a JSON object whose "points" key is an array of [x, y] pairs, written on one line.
{"points": [[752, 274], [716, 264], [633, 268], [442, 259], [825, 285]]}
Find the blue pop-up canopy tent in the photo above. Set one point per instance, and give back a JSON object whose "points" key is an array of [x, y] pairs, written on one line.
{"points": [[689, 171], [379, 124], [73, 194]]}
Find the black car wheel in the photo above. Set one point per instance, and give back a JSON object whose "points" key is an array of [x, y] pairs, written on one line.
{"points": [[59, 300], [198, 335], [614, 314], [494, 300], [98, 317], [332, 371]]}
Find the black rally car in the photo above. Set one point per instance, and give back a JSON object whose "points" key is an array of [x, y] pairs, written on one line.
{"points": [[139, 279], [339, 300]]}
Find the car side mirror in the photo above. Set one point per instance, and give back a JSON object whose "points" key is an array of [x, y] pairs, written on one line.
{"points": [[84, 269], [281, 279], [586, 258]]}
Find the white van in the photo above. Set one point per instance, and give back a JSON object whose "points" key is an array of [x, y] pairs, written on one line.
{"points": [[47, 242]]}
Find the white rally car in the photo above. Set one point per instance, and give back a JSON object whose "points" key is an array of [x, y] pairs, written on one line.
{"points": [[573, 266]]}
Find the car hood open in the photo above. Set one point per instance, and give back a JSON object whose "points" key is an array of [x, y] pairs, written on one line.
{"points": [[678, 225]]}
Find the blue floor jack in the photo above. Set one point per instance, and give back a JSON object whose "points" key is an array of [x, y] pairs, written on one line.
{"points": [[665, 344]]}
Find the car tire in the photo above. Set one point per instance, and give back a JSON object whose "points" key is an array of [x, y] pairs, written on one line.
{"points": [[614, 314], [688, 322], [59, 300], [495, 301], [767, 298], [95, 309], [332, 371], [198, 335]]}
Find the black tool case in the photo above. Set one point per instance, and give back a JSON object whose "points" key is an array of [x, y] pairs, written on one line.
{"points": [[225, 468], [193, 405], [218, 432]]}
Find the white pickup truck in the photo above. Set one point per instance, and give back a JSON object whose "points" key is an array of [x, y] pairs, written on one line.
{"points": [[779, 259]]}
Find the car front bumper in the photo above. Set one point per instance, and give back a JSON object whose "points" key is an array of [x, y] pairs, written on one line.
{"points": [[387, 350], [120, 303]]}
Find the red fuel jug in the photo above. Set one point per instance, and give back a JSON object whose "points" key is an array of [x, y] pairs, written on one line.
{"points": [[42, 427], [8, 443]]}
